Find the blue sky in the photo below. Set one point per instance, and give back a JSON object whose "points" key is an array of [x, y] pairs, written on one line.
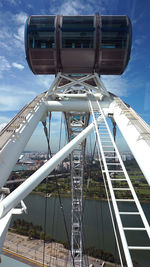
{"points": [[18, 85]]}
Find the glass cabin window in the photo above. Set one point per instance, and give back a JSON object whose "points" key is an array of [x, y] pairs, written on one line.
{"points": [[77, 32], [114, 32], [41, 32]]}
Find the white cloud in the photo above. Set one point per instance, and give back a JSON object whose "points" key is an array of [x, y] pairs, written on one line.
{"points": [[20, 18], [115, 84], [4, 65], [13, 97], [17, 66], [5, 46], [3, 121], [13, 2], [20, 34], [71, 8], [68, 7], [15, 37], [140, 40], [44, 81], [2, 126], [6, 34], [29, 6]]}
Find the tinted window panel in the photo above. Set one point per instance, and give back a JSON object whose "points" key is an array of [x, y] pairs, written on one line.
{"points": [[41, 32], [114, 32], [77, 32]]}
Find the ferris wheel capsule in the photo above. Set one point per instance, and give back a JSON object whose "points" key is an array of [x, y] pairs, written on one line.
{"points": [[78, 44]]}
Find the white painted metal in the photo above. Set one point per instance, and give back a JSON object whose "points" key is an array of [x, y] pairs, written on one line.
{"points": [[26, 187], [15, 144], [75, 105], [136, 133], [109, 204], [73, 81], [139, 248], [145, 222], [107, 171], [76, 122], [77, 205], [82, 81], [119, 222], [134, 129], [5, 222], [54, 84], [77, 96]]}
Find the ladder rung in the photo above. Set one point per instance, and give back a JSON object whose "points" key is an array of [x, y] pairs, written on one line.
{"points": [[139, 248], [109, 151], [107, 157], [119, 179], [108, 146], [129, 213], [106, 141], [114, 163], [121, 188], [113, 171], [125, 200], [134, 229], [105, 137]]}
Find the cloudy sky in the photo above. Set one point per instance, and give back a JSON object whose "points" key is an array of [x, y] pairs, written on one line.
{"points": [[18, 85]]}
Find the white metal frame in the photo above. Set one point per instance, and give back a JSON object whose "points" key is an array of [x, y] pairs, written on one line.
{"points": [[69, 94], [112, 189]]}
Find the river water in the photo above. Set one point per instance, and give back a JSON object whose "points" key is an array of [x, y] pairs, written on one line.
{"points": [[97, 225]]}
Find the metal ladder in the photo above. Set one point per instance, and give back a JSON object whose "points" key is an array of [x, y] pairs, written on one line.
{"points": [[118, 181]]}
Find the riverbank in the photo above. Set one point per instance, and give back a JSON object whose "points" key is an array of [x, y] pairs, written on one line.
{"points": [[32, 252]]}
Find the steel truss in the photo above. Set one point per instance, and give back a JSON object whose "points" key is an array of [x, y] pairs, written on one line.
{"points": [[74, 87], [76, 122], [71, 95], [112, 168]]}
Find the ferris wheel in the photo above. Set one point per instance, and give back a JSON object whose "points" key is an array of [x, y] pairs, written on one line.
{"points": [[78, 49]]}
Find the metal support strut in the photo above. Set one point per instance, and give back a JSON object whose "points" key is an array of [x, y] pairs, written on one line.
{"points": [[76, 122], [120, 186]]}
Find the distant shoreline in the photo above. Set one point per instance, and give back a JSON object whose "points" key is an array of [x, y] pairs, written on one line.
{"points": [[84, 198]]}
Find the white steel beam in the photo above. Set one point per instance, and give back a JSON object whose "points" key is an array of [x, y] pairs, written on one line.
{"points": [[25, 188], [136, 133], [75, 105], [77, 96], [15, 145], [4, 225], [5, 221]]}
